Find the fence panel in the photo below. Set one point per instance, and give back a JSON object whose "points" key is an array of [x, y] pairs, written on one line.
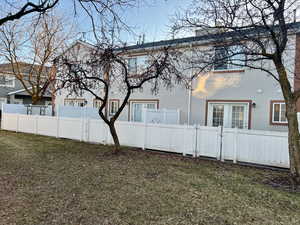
{"points": [[165, 137], [97, 131], [47, 125], [9, 122], [71, 128], [131, 134], [263, 147], [27, 124], [208, 141]]}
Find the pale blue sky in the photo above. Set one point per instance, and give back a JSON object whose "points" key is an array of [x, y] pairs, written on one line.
{"points": [[151, 19]]}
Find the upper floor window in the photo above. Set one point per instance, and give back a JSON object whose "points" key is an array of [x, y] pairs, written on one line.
{"points": [[132, 65], [137, 64], [278, 112], [228, 57], [75, 102], [7, 81]]}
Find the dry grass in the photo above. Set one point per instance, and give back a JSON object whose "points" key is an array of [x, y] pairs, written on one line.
{"points": [[45, 180]]}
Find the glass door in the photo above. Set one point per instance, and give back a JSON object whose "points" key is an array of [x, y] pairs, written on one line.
{"points": [[137, 110], [228, 115]]}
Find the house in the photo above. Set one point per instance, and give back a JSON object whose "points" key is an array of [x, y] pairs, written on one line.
{"points": [[12, 90], [229, 96]]}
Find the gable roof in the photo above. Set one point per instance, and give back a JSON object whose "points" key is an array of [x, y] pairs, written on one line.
{"points": [[25, 68], [293, 27]]}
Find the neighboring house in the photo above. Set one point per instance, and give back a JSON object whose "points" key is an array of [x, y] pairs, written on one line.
{"points": [[11, 89], [229, 96]]}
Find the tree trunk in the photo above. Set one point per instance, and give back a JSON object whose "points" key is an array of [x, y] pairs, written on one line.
{"points": [[115, 137], [294, 141], [34, 100]]}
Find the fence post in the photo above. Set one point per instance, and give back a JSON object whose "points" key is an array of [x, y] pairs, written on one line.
{"points": [[145, 129], [36, 124], [57, 122], [18, 115], [220, 142], [88, 130], [235, 145], [178, 116], [195, 140], [185, 128], [2, 116], [165, 116]]}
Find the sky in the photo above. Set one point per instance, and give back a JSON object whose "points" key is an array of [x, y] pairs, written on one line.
{"points": [[149, 17]]}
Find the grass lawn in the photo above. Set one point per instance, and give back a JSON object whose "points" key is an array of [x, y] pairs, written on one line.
{"points": [[45, 180]]}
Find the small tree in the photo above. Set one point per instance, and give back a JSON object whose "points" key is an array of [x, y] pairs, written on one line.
{"points": [[250, 33], [30, 50], [106, 68]]}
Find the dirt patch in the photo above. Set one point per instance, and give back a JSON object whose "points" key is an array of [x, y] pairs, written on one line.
{"points": [[282, 182]]}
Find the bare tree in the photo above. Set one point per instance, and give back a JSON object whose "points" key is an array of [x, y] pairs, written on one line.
{"points": [[105, 69], [253, 34], [30, 49], [14, 11]]}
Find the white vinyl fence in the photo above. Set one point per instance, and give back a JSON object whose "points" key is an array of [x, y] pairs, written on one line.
{"points": [[251, 146], [164, 116], [27, 109]]}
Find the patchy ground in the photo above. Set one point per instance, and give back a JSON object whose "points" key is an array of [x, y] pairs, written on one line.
{"points": [[45, 180]]}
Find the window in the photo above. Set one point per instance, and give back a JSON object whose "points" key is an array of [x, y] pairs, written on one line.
{"points": [[75, 102], [138, 64], [132, 65], [278, 112], [113, 106], [97, 103], [7, 81], [228, 114], [228, 58], [136, 109]]}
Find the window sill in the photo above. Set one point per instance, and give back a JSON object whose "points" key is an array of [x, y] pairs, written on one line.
{"points": [[229, 71], [278, 124]]}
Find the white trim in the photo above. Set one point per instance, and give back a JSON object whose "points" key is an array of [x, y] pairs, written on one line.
{"points": [[227, 114], [273, 111], [140, 102], [18, 91]]}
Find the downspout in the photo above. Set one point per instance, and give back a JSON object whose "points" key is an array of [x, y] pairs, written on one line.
{"points": [[190, 90]]}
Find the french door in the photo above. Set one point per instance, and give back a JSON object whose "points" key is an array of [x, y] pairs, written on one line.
{"points": [[229, 115], [137, 109]]}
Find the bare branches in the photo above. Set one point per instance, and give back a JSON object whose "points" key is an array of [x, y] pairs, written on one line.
{"points": [[30, 51], [29, 7]]}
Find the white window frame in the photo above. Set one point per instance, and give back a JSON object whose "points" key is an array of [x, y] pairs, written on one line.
{"points": [[230, 67], [76, 103], [273, 113], [130, 71], [111, 102], [97, 103], [132, 102], [8, 77], [227, 117]]}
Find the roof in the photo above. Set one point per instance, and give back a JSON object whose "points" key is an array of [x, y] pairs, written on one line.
{"points": [[25, 68], [24, 92], [217, 36], [294, 27]]}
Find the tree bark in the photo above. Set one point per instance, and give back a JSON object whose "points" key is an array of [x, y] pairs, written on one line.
{"points": [[293, 126], [115, 137], [294, 141]]}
